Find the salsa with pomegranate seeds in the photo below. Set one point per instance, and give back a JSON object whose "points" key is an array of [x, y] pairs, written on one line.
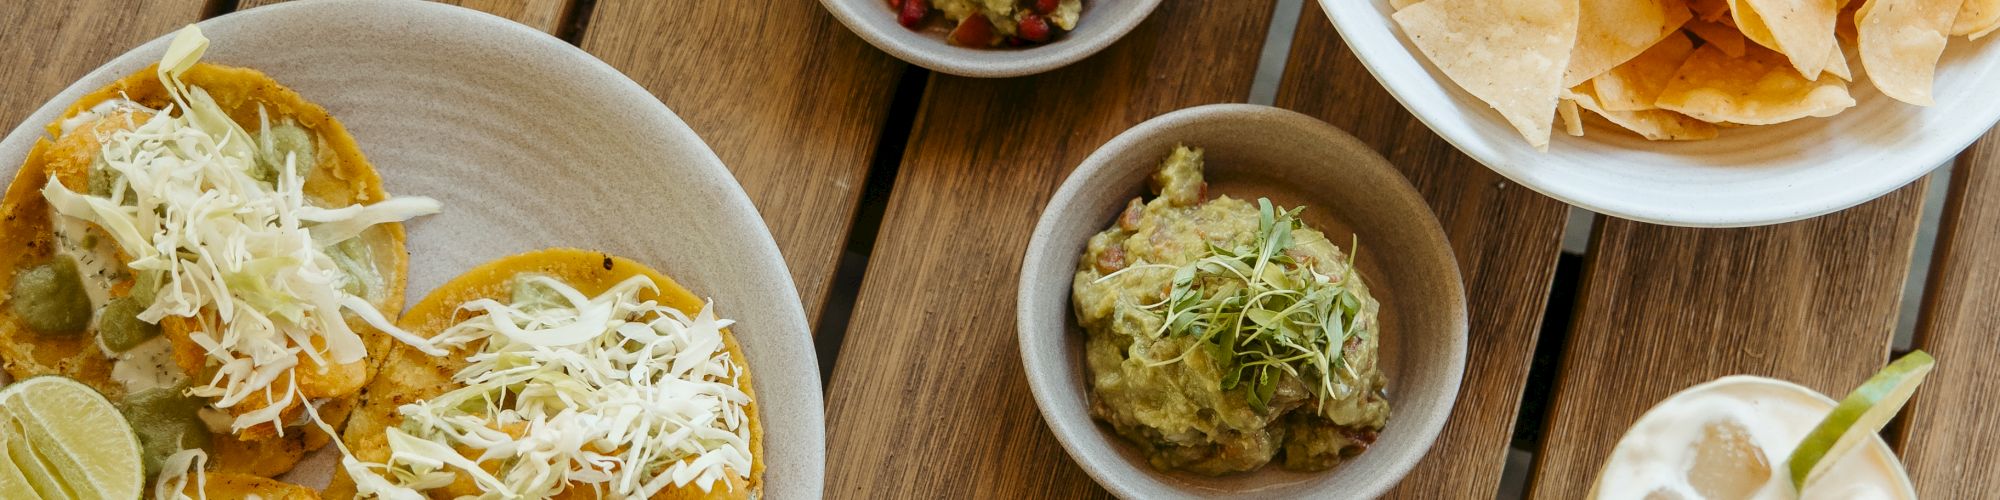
{"points": [[991, 23]]}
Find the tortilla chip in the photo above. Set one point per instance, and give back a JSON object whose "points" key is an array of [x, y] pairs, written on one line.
{"points": [[1710, 10], [1836, 64], [1509, 53], [1717, 35], [1653, 124], [1610, 32], [1900, 42], [1750, 24], [1760, 88], [1571, 120], [1634, 86], [1400, 4], [1802, 30], [1844, 28], [1976, 18]]}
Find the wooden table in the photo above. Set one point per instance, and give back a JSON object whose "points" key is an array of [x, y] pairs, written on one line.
{"points": [[938, 181]]}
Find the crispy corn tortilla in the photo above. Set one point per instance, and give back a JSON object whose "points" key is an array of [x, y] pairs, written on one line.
{"points": [[1760, 88], [1653, 124], [1720, 36], [1836, 64], [1634, 86], [341, 176], [1572, 120], [1801, 29], [1611, 32], [1747, 20], [1713, 11], [410, 376], [1976, 19], [1900, 43], [1511, 54], [228, 486]]}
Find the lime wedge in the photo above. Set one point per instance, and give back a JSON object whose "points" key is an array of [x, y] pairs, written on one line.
{"points": [[11, 478], [23, 454], [1861, 415], [21, 458], [76, 435]]}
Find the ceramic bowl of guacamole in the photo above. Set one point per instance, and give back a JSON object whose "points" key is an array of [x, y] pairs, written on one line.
{"points": [[1237, 299]]}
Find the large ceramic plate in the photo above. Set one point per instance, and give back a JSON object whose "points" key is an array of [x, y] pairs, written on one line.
{"points": [[1749, 176], [530, 143]]}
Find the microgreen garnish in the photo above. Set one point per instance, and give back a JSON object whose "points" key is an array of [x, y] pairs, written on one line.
{"points": [[1258, 311]]}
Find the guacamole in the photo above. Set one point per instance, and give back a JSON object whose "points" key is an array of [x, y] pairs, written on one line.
{"points": [[1225, 334]]}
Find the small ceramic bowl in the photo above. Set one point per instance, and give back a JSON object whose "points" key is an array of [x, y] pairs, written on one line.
{"points": [[1347, 189], [1749, 176], [1103, 22]]}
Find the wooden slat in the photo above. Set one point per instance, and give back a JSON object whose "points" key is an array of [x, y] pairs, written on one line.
{"points": [[45, 46], [1664, 308], [545, 15], [1950, 428], [1507, 239], [928, 398], [791, 101]]}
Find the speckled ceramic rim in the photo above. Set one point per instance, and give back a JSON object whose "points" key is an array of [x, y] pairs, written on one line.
{"points": [[1749, 176], [467, 107], [1050, 345], [1103, 22]]}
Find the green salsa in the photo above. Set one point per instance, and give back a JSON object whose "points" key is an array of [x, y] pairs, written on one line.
{"points": [[166, 421], [357, 267], [50, 298], [531, 295], [283, 139], [119, 327], [1224, 334]]}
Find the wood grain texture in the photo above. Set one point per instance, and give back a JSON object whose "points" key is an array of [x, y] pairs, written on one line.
{"points": [[1950, 427], [1506, 237], [789, 99], [929, 400], [1664, 308], [45, 46], [546, 15]]}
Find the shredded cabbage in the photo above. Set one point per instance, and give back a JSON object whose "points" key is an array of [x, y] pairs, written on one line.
{"points": [[612, 393], [174, 473], [246, 258]]}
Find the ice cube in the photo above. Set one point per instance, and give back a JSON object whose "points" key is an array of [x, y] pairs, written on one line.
{"points": [[1728, 463]]}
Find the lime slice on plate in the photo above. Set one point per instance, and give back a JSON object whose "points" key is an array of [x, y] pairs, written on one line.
{"points": [[11, 478], [21, 460], [72, 432], [1861, 415]]}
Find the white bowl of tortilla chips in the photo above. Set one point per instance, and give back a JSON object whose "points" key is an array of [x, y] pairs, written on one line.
{"points": [[1506, 81]]}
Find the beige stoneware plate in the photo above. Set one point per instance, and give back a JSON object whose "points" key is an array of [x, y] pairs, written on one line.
{"points": [[530, 143], [1103, 22], [1295, 160]]}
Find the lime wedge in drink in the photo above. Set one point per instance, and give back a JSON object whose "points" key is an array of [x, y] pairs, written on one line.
{"points": [[65, 433], [1858, 417]]}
